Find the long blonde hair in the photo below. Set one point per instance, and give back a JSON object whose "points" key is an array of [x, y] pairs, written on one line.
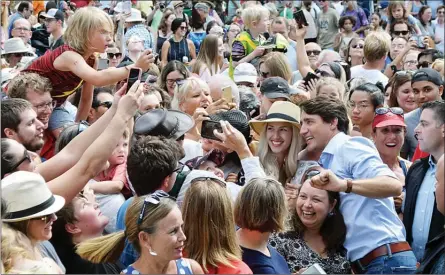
{"points": [[269, 162], [277, 64], [81, 26], [209, 225], [108, 248], [208, 55]]}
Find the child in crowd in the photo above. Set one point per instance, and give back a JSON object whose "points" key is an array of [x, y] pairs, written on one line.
{"points": [[89, 32], [114, 179], [397, 10], [342, 39]]}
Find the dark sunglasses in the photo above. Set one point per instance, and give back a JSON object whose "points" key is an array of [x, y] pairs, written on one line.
{"points": [[385, 110], [309, 175], [264, 74], [46, 219], [183, 28], [106, 104], [154, 198], [16, 54], [322, 73], [218, 181], [25, 157], [309, 53], [360, 46], [112, 55], [401, 32]]}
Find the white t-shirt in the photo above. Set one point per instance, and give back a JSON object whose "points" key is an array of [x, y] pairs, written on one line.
{"points": [[373, 76]]}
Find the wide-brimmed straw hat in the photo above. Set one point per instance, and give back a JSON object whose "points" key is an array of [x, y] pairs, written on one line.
{"points": [[280, 111], [27, 196], [15, 45]]}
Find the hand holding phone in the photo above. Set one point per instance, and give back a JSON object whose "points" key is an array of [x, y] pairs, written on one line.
{"points": [[133, 76], [300, 18], [207, 129]]}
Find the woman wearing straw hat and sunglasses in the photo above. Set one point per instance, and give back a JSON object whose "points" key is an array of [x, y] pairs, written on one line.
{"points": [[279, 140], [31, 209]]}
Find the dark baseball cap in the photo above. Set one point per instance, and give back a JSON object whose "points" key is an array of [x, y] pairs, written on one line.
{"points": [[276, 87], [54, 14], [427, 74]]}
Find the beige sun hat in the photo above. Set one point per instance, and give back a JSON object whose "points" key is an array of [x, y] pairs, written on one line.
{"points": [[15, 45], [280, 111], [27, 196], [135, 16]]}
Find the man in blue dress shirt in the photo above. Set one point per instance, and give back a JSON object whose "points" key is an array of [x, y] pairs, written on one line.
{"points": [[375, 238]]}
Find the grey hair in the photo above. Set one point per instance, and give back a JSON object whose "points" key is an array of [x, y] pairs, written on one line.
{"points": [[322, 58]]}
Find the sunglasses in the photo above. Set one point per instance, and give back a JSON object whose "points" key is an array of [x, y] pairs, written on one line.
{"points": [[106, 104], [360, 46], [16, 55], [46, 219], [309, 175], [218, 181], [401, 32], [322, 73], [154, 198], [25, 157], [183, 28], [113, 55], [385, 110], [309, 53]]}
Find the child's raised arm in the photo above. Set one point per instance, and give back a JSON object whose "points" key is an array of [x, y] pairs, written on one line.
{"points": [[74, 62]]}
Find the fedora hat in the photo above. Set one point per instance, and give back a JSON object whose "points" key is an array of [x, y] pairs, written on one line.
{"points": [[27, 196], [15, 45], [162, 122], [135, 16], [280, 111]]}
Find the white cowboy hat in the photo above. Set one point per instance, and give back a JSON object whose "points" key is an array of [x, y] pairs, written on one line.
{"points": [[135, 16], [27, 196], [15, 45], [280, 111]]}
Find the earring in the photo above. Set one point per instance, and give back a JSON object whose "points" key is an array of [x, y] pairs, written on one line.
{"points": [[152, 253], [331, 214]]}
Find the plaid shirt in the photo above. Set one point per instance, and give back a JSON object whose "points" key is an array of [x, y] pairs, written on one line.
{"points": [[140, 31]]}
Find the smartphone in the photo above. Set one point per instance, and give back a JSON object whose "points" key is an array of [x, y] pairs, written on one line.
{"points": [[300, 18], [103, 64], [314, 269], [133, 76], [419, 41], [227, 93], [207, 129], [309, 77]]}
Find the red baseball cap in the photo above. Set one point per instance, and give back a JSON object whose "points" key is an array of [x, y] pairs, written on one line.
{"points": [[388, 119]]}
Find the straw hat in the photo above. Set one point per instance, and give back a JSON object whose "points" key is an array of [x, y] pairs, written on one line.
{"points": [[27, 196], [15, 45], [135, 16], [280, 111]]}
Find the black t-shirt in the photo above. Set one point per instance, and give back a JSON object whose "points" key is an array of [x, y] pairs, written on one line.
{"points": [[57, 43]]}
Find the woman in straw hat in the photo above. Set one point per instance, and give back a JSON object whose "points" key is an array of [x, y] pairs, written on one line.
{"points": [[279, 140], [30, 213]]}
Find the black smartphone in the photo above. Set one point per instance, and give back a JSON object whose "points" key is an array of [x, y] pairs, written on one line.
{"points": [[300, 18], [207, 129], [133, 76], [309, 77]]}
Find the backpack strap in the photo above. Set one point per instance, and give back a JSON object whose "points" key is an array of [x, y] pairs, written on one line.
{"points": [[180, 178]]}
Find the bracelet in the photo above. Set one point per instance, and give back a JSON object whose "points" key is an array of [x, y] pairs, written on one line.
{"points": [[349, 185]]}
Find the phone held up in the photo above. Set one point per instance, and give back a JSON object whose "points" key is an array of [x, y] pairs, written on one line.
{"points": [[227, 93], [133, 76], [300, 18], [207, 129]]}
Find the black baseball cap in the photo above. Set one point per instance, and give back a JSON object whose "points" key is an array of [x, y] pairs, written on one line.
{"points": [[427, 74], [276, 87]]}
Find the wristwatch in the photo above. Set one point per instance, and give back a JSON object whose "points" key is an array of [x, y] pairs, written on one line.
{"points": [[349, 185]]}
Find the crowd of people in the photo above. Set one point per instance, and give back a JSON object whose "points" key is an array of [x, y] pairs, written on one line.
{"points": [[222, 137]]}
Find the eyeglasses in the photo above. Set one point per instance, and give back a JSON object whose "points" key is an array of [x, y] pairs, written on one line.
{"points": [[265, 74], [411, 62], [113, 55], [153, 198], [218, 181], [106, 104], [385, 110], [179, 168], [401, 32], [315, 52], [49, 20], [309, 175], [183, 28], [360, 107], [50, 105], [360, 46], [16, 54], [46, 219], [22, 29], [176, 80], [15, 166], [323, 73], [424, 64]]}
